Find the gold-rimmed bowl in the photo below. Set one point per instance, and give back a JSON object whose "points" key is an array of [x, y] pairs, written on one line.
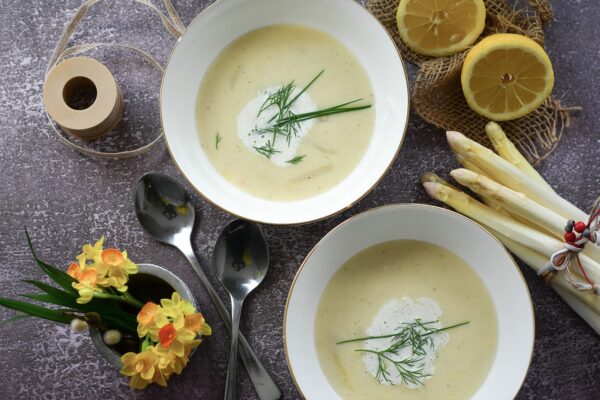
{"points": [[441, 227], [226, 20]]}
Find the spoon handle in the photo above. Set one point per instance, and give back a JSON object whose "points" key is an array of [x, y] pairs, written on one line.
{"points": [[265, 386], [236, 314]]}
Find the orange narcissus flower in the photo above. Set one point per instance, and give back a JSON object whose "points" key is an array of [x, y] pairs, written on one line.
{"points": [[172, 339], [197, 323], [193, 322], [145, 318], [167, 335], [143, 368], [146, 314], [86, 285], [89, 276], [112, 257], [74, 270]]}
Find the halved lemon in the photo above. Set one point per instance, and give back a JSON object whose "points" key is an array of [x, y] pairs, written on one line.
{"points": [[506, 76], [440, 27]]}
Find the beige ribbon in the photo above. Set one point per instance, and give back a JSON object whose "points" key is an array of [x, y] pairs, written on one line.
{"points": [[172, 23]]}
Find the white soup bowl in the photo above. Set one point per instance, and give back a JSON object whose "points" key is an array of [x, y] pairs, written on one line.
{"points": [[447, 229]]}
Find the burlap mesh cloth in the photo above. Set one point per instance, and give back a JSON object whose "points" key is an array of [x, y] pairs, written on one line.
{"points": [[437, 94]]}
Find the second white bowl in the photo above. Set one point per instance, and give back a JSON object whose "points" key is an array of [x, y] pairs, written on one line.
{"points": [[447, 229]]}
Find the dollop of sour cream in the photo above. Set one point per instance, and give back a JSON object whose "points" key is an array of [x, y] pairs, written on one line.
{"points": [[391, 317], [249, 125]]}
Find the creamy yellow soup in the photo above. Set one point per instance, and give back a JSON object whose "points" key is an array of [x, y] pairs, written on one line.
{"points": [[394, 270], [271, 57]]}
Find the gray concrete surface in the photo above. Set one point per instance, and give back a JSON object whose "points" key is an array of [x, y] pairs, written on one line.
{"points": [[67, 199]]}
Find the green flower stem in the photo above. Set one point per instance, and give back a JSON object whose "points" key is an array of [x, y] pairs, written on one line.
{"points": [[129, 299], [125, 298], [145, 343]]}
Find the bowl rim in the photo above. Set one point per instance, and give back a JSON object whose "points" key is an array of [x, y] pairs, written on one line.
{"points": [[217, 3], [334, 230]]}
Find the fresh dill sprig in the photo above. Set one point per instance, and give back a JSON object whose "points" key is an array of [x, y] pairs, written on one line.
{"points": [[285, 122], [414, 335], [267, 149], [287, 106], [279, 99], [360, 339], [296, 159], [340, 108], [404, 367], [218, 139]]}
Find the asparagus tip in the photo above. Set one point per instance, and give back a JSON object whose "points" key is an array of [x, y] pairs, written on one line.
{"points": [[461, 173], [494, 131], [455, 140], [432, 188], [429, 177]]}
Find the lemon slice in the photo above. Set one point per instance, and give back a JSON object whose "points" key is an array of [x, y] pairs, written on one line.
{"points": [[440, 27], [506, 76]]}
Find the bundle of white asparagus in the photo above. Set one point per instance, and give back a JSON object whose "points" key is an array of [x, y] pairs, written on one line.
{"points": [[520, 208]]}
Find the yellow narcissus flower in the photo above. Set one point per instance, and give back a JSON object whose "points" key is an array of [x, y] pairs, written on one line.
{"points": [[197, 323], [145, 318], [174, 324], [143, 368], [111, 268], [170, 364], [171, 331], [176, 306], [119, 268], [86, 285], [91, 253], [173, 336]]}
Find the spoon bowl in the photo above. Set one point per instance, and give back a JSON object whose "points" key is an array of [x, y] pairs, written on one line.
{"points": [[163, 207], [241, 257], [240, 260]]}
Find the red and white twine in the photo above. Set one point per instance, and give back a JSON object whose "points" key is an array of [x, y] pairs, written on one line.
{"points": [[577, 235]]}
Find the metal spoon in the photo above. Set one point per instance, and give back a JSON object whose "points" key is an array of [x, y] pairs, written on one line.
{"points": [[241, 260], [165, 211]]}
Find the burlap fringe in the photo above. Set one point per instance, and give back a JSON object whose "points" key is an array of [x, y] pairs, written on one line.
{"points": [[437, 94]]}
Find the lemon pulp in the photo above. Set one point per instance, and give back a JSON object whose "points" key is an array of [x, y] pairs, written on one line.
{"points": [[506, 76], [440, 27]]}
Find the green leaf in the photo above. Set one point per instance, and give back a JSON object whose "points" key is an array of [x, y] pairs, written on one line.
{"points": [[13, 319], [111, 315], [52, 291], [36, 311], [60, 277], [46, 298], [121, 320], [119, 323]]}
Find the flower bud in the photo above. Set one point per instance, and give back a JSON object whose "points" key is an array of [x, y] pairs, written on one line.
{"points": [[78, 325], [112, 337]]}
